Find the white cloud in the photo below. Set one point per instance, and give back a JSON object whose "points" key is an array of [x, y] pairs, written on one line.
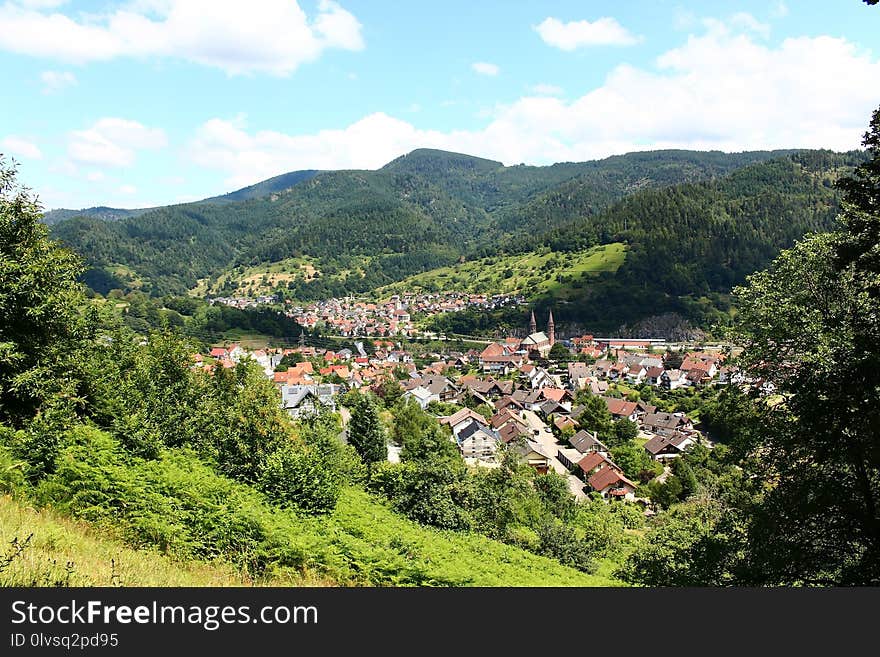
{"points": [[747, 22], [719, 90], [575, 34], [546, 90], [128, 190], [485, 68], [95, 176], [225, 34], [113, 142], [54, 81], [41, 4], [21, 147], [779, 10]]}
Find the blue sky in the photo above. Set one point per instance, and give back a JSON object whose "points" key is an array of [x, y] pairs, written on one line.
{"points": [[146, 102]]}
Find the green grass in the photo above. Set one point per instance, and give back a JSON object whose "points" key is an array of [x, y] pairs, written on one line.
{"points": [[64, 551], [278, 273], [533, 274]]}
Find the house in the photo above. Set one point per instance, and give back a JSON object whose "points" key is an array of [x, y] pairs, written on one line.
{"points": [[460, 419], [540, 378], [500, 358], [621, 409], [667, 447], [439, 386], [563, 422], [423, 396], [550, 407], [673, 379], [701, 362], [611, 483], [477, 441], [297, 375], [696, 377], [653, 375], [558, 395], [506, 416], [533, 454], [301, 400], [593, 462], [585, 442], [508, 402], [636, 374], [666, 423], [579, 375], [511, 431], [568, 457]]}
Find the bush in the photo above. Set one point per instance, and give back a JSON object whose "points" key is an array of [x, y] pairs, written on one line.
{"points": [[560, 542], [300, 478]]}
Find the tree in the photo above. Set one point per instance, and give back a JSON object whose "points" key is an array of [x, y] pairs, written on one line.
{"points": [[559, 353], [625, 431], [421, 435], [595, 416], [46, 328], [389, 391], [809, 325], [365, 431], [635, 462], [44, 321], [289, 360]]}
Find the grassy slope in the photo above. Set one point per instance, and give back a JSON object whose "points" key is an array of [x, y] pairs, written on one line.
{"points": [[96, 559], [459, 559], [251, 278], [526, 273], [359, 528]]}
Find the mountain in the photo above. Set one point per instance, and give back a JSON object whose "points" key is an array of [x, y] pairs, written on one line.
{"points": [[102, 212], [259, 190], [693, 224], [266, 187]]}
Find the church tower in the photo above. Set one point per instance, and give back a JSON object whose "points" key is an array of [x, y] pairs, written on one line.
{"points": [[533, 325], [551, 329]]}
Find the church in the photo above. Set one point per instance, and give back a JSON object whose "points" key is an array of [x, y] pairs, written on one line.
{"points": [[538, 340]]}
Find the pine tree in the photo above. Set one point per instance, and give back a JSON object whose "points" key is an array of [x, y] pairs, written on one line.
{"points": [[365, 431]]}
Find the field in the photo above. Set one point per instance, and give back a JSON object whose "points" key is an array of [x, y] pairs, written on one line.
{"points": [[533, 274]]}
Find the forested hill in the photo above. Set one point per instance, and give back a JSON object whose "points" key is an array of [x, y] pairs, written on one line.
{"points": [[266, 187], [424, 210], [688, 245], [104, 213]]}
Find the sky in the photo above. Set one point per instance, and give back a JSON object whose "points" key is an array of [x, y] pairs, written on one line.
{"points": [[141, 103]]}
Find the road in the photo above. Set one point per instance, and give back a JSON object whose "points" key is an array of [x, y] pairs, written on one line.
{"points": [[547, 440]]}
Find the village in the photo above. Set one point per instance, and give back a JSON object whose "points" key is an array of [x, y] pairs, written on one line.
{"points": [[350, 316], [523, 393]]}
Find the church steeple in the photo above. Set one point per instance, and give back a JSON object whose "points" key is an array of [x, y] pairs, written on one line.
{"points": [[551, 329], [533, 325]]}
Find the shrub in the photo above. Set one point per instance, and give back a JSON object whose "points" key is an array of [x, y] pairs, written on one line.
{"points": [[300, 478]]}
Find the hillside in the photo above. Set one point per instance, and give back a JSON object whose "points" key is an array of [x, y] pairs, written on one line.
{"points": [[265, 187], [103, 213], [422, 211], [361, 543], [688, 245], [61, 550], [532, 274]]}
